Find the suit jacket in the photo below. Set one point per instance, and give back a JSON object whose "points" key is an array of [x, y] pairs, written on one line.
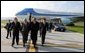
{"points": [[25, 27], [44, 27], [34, 30], [8, 26], [16, 27]]}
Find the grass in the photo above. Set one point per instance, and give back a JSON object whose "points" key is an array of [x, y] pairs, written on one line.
{"points": [[79, 23], [76, 29], [3, 23], [79, 27]]}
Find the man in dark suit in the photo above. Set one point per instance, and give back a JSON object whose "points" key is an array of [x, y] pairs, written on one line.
{"points": [[25, 30], [50, 26], [40, 25], [34, 31], [8, 28], [43, 29], [16, 28]]}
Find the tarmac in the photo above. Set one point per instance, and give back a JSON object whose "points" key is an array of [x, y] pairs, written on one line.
{"points": [[55, 42]]}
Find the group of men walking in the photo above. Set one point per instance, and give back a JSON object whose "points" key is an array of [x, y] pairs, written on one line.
{"points": [[27, 27]]}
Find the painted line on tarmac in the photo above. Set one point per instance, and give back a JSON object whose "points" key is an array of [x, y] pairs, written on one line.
{"points": [[31, 48]]}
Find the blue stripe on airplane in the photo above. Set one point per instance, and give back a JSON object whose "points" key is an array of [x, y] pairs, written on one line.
{"points": [[30, 10]]}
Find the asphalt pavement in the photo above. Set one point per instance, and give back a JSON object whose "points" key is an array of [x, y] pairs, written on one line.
{"points": [[55, 42]]}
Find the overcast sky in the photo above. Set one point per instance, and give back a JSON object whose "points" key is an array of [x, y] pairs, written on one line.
{"points": [[10, 8]]}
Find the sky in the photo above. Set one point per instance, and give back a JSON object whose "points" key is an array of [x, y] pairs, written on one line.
{"points": [[10, 8]]}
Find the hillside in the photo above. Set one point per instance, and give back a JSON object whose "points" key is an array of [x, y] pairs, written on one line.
{"points": [[77, 19]]}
